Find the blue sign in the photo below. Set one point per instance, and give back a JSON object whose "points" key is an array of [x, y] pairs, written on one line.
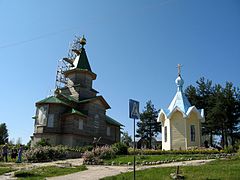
{"points": [[134, 109]]}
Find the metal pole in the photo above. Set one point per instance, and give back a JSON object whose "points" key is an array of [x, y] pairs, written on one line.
{"points": [[134, 174]]}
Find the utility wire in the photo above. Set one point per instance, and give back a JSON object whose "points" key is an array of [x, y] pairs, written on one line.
{"points": [[36, 38]]}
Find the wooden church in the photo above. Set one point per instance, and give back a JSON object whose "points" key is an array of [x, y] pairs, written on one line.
{"points": [[181, 122], [75, 115]]}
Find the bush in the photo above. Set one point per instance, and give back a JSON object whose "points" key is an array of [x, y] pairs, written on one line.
{"points": [[45, 153], [105, 152], [81, 149], [120, 148], [90, 158], [229, 149], [236, 146], [96, 155], [160, 152], [43, 142]]}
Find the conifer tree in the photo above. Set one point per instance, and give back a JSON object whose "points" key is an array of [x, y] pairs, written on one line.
{"points": [[3, 133], [126, 139], [148, 127], [222, 109]]}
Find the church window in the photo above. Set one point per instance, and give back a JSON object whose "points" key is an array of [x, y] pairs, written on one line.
{"points": [[108, 131], [192, 133], [50, 122], [80, 124], [42, 113], [165, 133], [96, 123]]}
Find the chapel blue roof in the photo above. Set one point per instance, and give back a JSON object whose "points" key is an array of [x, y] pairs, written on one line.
{"points": [[180, 103], [180, 100]]}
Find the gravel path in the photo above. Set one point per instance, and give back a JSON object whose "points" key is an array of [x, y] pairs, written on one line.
{"points": [[98, 172]]}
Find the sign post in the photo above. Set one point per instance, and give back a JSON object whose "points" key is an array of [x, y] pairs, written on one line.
{"points": [[134, 114]]}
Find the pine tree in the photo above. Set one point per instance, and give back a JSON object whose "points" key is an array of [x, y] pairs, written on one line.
{"points": [[221, 106], [3, 133], [199, 96], [148, 125], [126, 139]]}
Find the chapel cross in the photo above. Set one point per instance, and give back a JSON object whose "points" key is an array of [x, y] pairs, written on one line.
{"points": [[179, 69]]}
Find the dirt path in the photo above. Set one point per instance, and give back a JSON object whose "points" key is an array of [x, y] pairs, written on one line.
{"points": [[97, 172]]}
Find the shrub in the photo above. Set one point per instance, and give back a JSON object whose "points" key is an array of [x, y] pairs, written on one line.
{"points": [[80, 149], [229, 149], [90, 157], [96, 155], [238, 152], [45, 153], [236, 146], [120, 148], [43, 142], [105, 152], [159, 152]]}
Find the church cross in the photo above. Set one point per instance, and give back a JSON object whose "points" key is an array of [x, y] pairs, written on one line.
{"points": [[179, 69]]}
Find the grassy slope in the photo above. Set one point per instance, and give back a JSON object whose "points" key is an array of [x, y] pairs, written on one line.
{"points": [[219, 169], [5, 168], [49, 171]]}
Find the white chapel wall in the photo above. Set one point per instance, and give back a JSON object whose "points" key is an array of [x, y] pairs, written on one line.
{"points": [[166, 145], [178, 131], [193, 120]]}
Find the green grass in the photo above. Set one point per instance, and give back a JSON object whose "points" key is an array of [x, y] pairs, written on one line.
{"points": [[218, 169], [48, 171], [5, 168], [151, 158]]}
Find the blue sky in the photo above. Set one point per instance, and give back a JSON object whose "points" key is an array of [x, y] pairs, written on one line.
{"points": [[133, 46]]}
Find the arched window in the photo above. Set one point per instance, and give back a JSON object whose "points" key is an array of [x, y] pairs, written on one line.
{"points": [[165, 133], [192, 133]]}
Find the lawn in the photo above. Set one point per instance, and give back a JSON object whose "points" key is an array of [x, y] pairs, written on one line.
{"points": [[5, 168], [218, 169], [48, 171], [153, 158]]}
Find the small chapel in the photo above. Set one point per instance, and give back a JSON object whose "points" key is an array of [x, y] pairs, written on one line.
{"points": [[181, 121], [75, 115]]}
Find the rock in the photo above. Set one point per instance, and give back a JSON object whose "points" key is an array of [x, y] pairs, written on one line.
{"points": [[176, 176], [64, 165]]}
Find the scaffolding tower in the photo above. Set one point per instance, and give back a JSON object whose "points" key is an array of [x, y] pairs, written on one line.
{"points": [[67, 63]]}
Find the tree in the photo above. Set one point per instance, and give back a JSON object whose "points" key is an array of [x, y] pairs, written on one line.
{"points": [[19, 141], [3, 133], [12, 141], [148, 125], [222, 108], [126, 139], [232, 111], [200, 97]]}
